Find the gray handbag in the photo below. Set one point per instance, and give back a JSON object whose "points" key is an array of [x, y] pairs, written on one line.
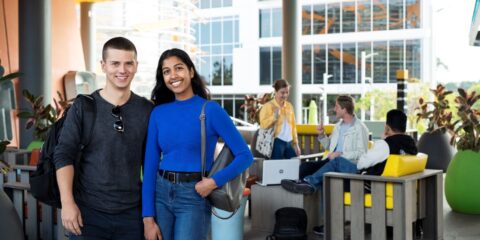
{"points": [[228, 196]]}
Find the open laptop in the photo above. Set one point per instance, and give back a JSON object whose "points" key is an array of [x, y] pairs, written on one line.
{"points": [[271, 172]]}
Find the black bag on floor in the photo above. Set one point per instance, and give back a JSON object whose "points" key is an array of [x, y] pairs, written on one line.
{"points": [[290, 223]]}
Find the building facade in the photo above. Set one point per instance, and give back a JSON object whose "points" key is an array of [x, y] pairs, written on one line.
{"points": [[240, 46]]}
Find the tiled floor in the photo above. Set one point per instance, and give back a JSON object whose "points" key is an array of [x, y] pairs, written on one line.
{"points": [[457, 226]]}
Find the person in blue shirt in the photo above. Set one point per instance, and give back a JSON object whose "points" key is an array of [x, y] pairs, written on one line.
{"points": [[173, 192]]}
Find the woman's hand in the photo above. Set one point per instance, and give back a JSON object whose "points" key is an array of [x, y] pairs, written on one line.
{"points": [[205, 187], [151, 229], [297, 149]]}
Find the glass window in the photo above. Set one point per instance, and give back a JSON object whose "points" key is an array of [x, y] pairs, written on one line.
{"points": [[276, 63], [380, 62], [228, 106], [306, 20], [319, 62], [265, 67], [239, 111], [216, 3], [216, 49], [227, 31], [367, 48], [227, 70], [318, 16], [205, 33], [264, 23], [217, 30], [413, 18], [364, 13], [227, 3], [277, 22], [205, 69], [237, 30], [204, 3], [333, 17], [396, 14], [396, 59], [348, 61], [348, 16], [379, 15], [216, 71], [413, 59], [334, 63], [307, 64], [228, 49]]}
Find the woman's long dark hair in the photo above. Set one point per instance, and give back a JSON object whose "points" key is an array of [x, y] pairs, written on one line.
{"points": [[161, 94]]}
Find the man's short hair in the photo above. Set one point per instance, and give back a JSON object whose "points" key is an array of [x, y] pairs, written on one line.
{"points": [[119, 43], [347, 102], [397, 120]]}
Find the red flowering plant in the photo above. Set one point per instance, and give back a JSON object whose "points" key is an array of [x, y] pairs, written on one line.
{"points": [[437, 112], [254, 104], [466, 135]]}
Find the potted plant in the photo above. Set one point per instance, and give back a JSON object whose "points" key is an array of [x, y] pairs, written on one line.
{"points": [[10, 227], [253, 105], [435, 142], [462, 180], [41, 117]]}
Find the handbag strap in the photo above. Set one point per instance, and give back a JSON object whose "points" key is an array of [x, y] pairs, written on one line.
{"points": [[204, 141]]}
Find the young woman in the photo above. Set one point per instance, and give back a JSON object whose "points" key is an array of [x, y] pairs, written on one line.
{"points": [[279, 113], [174, 204]]}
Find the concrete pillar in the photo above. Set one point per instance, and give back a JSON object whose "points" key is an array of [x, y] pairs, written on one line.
{"points": [[402, 76], [292, 52], [35, 55], [87, 30]]}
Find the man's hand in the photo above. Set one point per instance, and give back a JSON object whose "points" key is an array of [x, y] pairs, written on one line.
{"points": [[151, 229], [205, 187], [72, 218], [333, 155], [320, 129]]}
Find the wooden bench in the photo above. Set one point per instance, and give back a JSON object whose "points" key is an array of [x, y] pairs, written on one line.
{"points": [[403, 194]]}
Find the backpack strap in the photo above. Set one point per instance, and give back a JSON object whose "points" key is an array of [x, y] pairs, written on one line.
{"points": [[89, 111]]}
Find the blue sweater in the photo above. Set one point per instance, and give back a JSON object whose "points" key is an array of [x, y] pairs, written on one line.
{"points": [[174, 144]]}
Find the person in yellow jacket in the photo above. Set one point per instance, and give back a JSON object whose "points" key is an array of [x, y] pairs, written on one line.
{"points": [[279, 113]]}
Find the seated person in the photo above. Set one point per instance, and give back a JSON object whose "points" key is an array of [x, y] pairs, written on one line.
{"points": [[372, 163], [348, 141]]}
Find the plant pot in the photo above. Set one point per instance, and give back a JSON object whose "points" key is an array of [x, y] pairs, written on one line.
{"points": [[10, 225], [35, 144], [462, 182], [437, 146]]}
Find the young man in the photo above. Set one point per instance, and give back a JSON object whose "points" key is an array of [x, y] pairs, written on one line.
{"points": [[346, 144], [395, 142], [104, 200]]}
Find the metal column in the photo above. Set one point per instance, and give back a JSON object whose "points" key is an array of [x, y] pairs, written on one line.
{"points": [[35, 55], [292, 52]]}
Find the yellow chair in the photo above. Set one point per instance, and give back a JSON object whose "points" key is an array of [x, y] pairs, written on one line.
{"points": [[396, 166]]}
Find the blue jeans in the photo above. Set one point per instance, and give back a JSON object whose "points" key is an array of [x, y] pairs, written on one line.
{"points": [[181, 213], [338, 164], [100, 225], [282, 150]]}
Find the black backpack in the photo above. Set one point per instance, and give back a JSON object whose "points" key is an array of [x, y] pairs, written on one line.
{"points": [[43, 181], [290, 223]]}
